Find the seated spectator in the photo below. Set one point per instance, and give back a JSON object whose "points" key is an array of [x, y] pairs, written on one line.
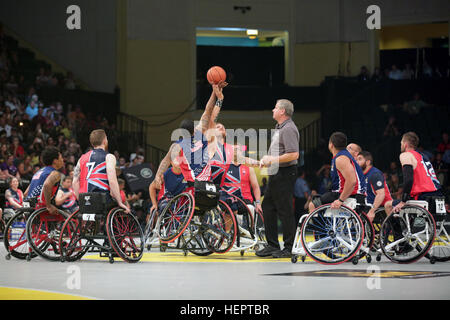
{"points": [[414, 106], [440, 168], [301, 195], [65, 197], [408, 73], [42, 78], [32, 110], [394, 170], [427, 70], [444, 145], [391, 129], [377, 76], [25, 170], [16, 149], [395, 73], [364, 74], [4, 126], [9, 169], [324, 179], [395, 186]]}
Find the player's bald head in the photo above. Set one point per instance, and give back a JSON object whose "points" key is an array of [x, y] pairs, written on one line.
{"points": [[354, 149]]}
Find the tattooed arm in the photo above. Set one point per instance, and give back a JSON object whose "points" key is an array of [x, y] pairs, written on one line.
{"points": [[206, 116], [51, 181], [173, 152]]}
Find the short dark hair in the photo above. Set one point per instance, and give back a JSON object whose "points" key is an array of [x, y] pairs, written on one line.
{"points": [[188, 125], [367, 155], [412, 138], [96, 137], [49, 154], [339, 140]]}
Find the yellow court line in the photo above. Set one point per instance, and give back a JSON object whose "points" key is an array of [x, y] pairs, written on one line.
{"points": [[178, 256], [9, 293]]}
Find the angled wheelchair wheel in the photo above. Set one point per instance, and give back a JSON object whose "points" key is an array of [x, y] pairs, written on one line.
{"points": [[369, 237], [332, 236], [43, 231], [15, 237], [440, 251], [219, 228], [125, 235], [259, 230], [175, 217], [380, 216], [407, 236], [72, 239]]}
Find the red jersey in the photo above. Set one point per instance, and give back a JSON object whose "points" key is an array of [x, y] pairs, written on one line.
{"points": [[424, 176], [236, 180], [93, 177]]}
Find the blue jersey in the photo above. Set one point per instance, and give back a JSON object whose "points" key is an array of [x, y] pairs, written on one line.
{"points": [[37, 182], [174, 184], [194, 152], [374, 179], [337, 179]]}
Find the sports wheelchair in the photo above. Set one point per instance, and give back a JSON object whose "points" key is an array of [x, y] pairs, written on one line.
{"points": [[411, 234], [198, 221], [15, 237], [250, 224], [334, 236], [95, 227]]}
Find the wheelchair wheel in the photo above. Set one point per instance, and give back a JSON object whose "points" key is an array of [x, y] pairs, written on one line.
{"points": [[440, 251], [369, 237], [15, 237], [259, 229], [332, 236], [380, 216], [71, 241], [407, 236], [43, 227], [175, 217], [149, 232], [219, 228], [125, 235], [193, 238]]}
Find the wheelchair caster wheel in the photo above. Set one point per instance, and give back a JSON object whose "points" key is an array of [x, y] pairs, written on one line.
{"points": [[378, 258], [242, 253], [303, 258], [29, 257], [294, 259], [368, 258], [63, 259], [111, 259], [185, 253], [8, 256], [432, 260], [355, 261], [162, 248], [149, 247], [256, 247]]}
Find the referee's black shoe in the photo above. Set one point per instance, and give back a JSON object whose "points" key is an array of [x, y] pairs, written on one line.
{"points": [[267, 251], [285, 253]]}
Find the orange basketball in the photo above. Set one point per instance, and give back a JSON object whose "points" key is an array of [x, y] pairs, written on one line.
{"points": [[216, 74]]}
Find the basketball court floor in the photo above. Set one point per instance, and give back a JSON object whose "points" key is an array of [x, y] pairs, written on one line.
{"points": [[173, 276]]}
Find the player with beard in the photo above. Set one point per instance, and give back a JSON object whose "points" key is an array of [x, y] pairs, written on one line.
{"points": [[377, 190]]}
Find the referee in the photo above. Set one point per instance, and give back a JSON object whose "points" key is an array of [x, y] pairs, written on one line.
{"points": [[282, 169]]}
